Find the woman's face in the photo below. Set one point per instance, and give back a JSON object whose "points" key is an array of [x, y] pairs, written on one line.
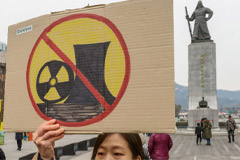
{"points": [[114, 147]]}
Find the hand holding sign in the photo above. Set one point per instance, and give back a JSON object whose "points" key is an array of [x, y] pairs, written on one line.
{"points": [[45, 136]]}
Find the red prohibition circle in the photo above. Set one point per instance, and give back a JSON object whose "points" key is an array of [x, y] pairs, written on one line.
{"points": [[108, 108]]}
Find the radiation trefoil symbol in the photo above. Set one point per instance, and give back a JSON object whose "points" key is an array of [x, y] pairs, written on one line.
{"points": [[78, 70], [59, 83]]}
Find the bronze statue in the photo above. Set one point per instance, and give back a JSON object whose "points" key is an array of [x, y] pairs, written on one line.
{"points": [[200, 31]]}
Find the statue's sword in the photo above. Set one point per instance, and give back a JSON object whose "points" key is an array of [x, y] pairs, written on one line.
{"points": [[189, 26]]}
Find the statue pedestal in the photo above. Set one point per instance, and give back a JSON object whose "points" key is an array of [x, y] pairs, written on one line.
{"points": [[202, 82], [195, 116]]}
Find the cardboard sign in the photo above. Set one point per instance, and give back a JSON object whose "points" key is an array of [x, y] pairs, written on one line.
{"points": [[106, 68]]}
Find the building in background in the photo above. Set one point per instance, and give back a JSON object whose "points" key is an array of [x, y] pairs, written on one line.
{"points": [[3, 47], [3, 50]]}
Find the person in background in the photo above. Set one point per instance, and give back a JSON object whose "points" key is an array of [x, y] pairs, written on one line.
{"points": [[207, 131], [25, 136], [2, 155], [230, 127], [145, 147], [159, 145], [19, 137], [149, 134], [198, 133], [202, 121]]}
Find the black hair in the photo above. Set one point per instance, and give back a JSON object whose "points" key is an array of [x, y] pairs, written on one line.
{"points": [[133, 140]]}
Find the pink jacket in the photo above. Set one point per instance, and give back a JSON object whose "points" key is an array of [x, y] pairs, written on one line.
{"points": [[159, 145]]}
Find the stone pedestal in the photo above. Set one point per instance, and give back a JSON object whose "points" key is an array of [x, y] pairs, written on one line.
{"points": [[195, 116], [202, 82]]}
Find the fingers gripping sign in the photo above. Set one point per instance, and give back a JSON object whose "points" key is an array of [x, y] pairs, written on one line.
{"points": [[45, 136]]}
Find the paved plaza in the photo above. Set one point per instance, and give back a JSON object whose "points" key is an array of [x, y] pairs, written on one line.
{"points": [[184, 148]]}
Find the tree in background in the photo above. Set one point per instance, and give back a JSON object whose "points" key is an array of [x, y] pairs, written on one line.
{"points": [[177, 109]]}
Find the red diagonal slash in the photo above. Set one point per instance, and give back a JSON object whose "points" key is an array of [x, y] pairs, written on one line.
{"points": [[63, 56]]}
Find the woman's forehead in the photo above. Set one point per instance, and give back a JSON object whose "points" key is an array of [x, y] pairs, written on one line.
{"points": [[114, 141]]}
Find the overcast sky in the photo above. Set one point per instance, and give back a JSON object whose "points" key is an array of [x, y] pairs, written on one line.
{"points": [[224, 28]]}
